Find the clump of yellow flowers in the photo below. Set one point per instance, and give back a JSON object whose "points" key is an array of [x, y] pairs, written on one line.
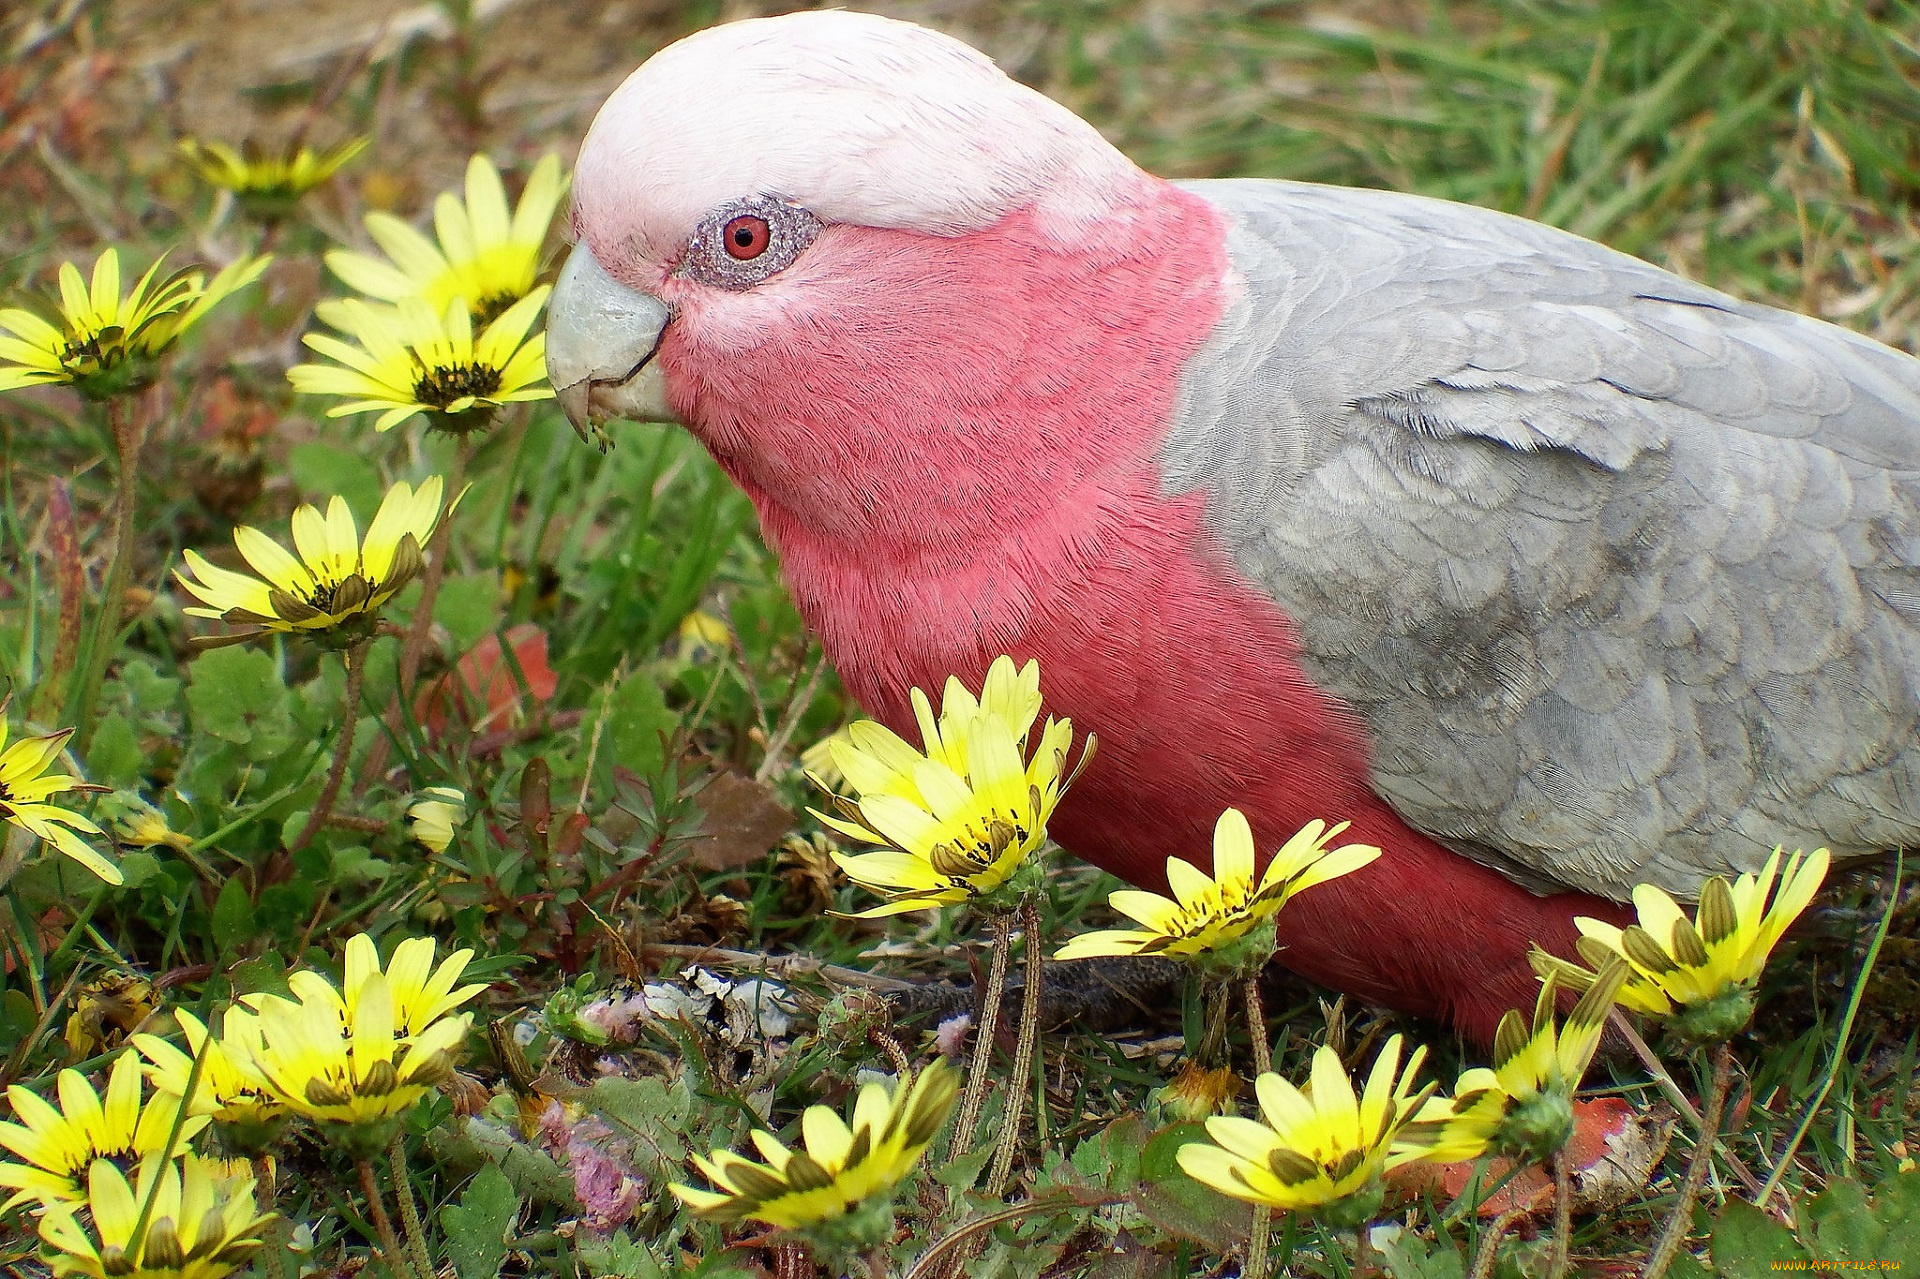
{"points": [[1224, 922], [332, 585], [106, 342], [837, 1191], [960, 819]]}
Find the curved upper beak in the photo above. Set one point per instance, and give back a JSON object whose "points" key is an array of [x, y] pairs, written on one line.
{"points": [[601, 341]]}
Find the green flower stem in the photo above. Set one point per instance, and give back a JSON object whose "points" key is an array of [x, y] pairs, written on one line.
{"points": [[413, 648], [1671, 1091], [1362, 1253], [273, 1245], [1681, 1222], [1257, 1243], [390, 1250], [1762, 1196], [355, 660], [129, 432], [1489, 1250], [409, 1210], [1562, 1217], [438, 547], [976, 1092], [1022, 1081]]}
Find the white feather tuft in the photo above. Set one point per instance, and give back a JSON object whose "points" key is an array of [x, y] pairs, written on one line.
{"points": [[860, 118]]}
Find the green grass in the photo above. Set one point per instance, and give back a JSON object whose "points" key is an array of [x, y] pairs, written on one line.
{"points": [[1771, 149]]}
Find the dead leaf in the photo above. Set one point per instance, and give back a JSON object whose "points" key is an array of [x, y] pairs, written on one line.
{"points": [[743, 819]]}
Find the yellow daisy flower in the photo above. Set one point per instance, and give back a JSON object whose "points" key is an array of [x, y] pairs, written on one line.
{"points": [[436, 815], [357, 1077], [141, 825], [25, 785], [228, 1091], [1208, 914], [1697, 974], [201, 1222], [336, 582], [846, 1174], [414, 359], [266, 184], [1523, 1106], [487, 257], [959, 819], [1319, 1149], [107, 343], [57, 1144], [421, 993]]}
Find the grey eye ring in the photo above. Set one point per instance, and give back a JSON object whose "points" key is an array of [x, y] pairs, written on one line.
{"points": [[745, 241]]}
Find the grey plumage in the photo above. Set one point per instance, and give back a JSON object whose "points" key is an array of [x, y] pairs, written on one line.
{"points": [[1619, 572]]}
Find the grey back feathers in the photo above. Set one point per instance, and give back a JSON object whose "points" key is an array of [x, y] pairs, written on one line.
{"points": [[1619, 572]]}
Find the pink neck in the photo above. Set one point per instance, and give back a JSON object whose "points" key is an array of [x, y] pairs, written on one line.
{"points": [[926, 427]]}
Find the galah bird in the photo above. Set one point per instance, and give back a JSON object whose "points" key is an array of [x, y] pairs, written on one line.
{"points": [[1550, 571]]}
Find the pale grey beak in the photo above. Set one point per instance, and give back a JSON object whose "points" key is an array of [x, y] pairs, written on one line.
{"points": [[601, 340]]}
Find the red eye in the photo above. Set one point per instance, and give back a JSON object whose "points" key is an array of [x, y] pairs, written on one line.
{"points": [[746, 237]]}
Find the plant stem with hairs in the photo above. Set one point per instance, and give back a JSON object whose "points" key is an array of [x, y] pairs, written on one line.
{"points": [[129, 433], [272, 1253], [976, 1090], [1257, 1243], [1489, 1250], [1562, 1217], [409, 1210], [1030, 927], [355, 660], [1681, 1222], [390, 1249]]}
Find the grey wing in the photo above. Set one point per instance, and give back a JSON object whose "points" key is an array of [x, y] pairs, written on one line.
{"points": [[1619, 572]]}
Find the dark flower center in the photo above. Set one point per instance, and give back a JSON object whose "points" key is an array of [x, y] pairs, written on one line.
{"points": [[444, 384], [492, 307]]}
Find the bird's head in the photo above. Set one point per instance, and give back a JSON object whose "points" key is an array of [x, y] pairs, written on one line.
{"points": [[831, 243], [726, 175]]}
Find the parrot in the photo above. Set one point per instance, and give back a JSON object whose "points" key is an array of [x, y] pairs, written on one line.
{"points": [[1549, 571]]}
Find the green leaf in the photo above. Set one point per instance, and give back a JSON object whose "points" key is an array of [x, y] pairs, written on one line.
{"points": [[1841, 1225], [961, 1171], [469, 607], [114, 758], [1746, 1242], [320, 470], [137, 867], [1182, 1206], [356, 864], [149, 692], [232, 916], [1112, 1159], [1896, 1204], [653, 1113], [637, 715], [237, 694], [617, 1257], [479, 1226], [1410, 1255]]}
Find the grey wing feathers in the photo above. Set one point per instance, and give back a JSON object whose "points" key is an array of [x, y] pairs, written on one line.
{"points": [[1619, 572]]}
